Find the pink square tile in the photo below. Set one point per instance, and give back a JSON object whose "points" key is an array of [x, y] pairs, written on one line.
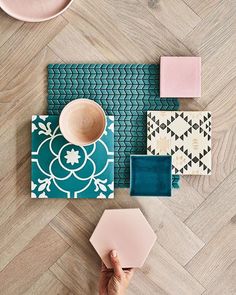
{"points": [[180, 76], [128, 232]]}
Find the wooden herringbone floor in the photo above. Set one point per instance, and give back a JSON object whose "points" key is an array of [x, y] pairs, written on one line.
{"points": [[44, 246]]}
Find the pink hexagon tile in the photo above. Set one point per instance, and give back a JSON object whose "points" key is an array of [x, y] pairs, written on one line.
{"points": [[128, 232]]}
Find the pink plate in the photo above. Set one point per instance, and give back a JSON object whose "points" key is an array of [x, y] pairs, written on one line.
{"points": [[128, 232], [34, 10]]}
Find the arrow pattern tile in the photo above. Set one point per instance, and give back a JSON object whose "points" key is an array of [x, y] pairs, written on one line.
{"points": [[126, 91]]}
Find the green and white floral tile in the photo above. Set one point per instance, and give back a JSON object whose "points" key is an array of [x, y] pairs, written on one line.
{"points": [[63, 170]]}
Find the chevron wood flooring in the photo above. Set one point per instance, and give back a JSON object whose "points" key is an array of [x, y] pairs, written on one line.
{"points": [[44, 247]]}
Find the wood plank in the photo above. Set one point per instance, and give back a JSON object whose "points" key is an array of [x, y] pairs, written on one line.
{"points": [[35, 72], [172, 234], [170, 15], [214, 259], [140, 28], [48, 284], [5, 107], [169, 275], [76, 222], [226, 284], [214, 80], [25, 223], [15, 134], [141, 284], [113, 45], [20, 217], [225, 100], [24, 96], [183, 201], [80, 274], [203, 8], [23, 46], [34, 260], [213, 31], [216, 211], [223, 141], [8, 27], [78, 49], [187, 104]]}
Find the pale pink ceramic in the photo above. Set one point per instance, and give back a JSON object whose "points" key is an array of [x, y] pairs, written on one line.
{"points": [[82, 121], [180, 76], [128, 232], [34, 10]]}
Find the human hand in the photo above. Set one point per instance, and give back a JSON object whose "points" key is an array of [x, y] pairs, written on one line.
{"points": [[114, 281]]}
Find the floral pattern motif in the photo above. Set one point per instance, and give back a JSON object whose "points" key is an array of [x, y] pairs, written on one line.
{"points": [[63, 170]]}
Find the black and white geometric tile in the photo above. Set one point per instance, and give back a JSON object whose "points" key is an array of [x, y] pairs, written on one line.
{"points": [[184, 135]]}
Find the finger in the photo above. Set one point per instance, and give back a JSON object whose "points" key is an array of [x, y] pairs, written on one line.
{"points": [[129, 273], [127, 269], [103, 267], [115, 262]]}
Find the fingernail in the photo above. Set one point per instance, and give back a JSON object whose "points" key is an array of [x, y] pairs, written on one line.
{"points": [[113, 253]]}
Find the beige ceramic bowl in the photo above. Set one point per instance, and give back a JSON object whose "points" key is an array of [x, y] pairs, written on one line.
{"points": [[82, 122]]}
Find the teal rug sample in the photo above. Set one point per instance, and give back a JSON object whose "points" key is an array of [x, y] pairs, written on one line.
{"points": [[63, 170], [126, 91]]}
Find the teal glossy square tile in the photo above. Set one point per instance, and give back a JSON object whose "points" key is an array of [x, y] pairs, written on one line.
{"points": [[63, 170], [150, 175]]}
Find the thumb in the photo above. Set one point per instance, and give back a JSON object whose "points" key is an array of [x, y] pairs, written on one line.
{"points": [[115, 262]]}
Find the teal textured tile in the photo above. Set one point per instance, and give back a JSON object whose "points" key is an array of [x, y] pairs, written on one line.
{"points": [[62, 170], [126, 91]]}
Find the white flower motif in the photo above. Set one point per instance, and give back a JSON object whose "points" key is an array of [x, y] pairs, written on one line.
{"points": [[34, 127], [45, 184], [43, 196], [111, 127], [43, 117], [111, 186], [111, 196], [100, 184], [72, 157], [101, 196], [34, 117], [33, 196], [33, 185], [45, 129]]}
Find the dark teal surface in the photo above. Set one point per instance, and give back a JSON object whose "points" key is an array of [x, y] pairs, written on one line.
{"points": [[126, 91], [150, 175]]}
